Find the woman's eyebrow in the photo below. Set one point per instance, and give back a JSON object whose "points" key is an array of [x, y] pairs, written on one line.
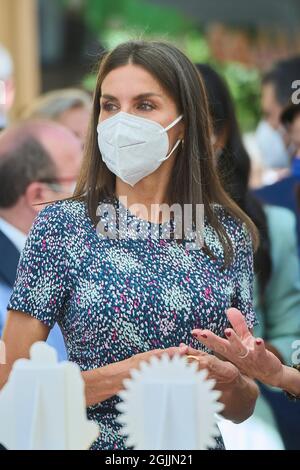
{"points": [[108, 97], [147, 95], [138, 97]]}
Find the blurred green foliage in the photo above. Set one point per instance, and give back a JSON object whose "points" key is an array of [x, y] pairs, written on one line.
{"points": [[244, 85], [140, 15], [115, 21]]}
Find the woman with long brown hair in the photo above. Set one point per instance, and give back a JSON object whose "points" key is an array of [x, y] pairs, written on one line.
{"points": [[113, 266]]}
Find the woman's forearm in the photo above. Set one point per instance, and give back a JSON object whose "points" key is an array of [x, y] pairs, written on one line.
{"points": [[105, 382], [240, 399], [290, 381]]}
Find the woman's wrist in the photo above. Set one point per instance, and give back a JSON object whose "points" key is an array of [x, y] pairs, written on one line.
{"points": [[290, 381], [246, 384], [239, 398], [104, 382]]}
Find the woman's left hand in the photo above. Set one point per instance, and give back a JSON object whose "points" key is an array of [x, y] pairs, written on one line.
{"points": [[224, 373], [239, 393], [244, 350]]}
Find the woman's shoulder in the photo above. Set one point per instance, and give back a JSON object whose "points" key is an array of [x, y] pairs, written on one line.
{"points": [[60, 215], [235, 228], [65, 208]]}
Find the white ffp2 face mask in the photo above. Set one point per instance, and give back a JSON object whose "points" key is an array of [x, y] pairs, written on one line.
{"points": [[133, 147]]}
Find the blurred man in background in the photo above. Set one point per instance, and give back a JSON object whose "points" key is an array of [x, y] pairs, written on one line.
{"points": [[39, 162], [285, 192], [7, 89], [71, 107], [290, 118], [277, 91]]}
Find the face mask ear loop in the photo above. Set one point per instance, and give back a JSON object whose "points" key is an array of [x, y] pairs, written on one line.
{"points": [[173, 150], [178, 141], [166, 129]]}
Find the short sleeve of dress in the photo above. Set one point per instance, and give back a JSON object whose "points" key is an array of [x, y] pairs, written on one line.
{"points": [[41, 284], [244, 279]]}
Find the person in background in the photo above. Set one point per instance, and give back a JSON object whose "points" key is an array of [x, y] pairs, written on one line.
{"points": [[39, 161], [70, 107], [276, 94], [290, 119], [286, 192], [7, 88], [277, 283]]}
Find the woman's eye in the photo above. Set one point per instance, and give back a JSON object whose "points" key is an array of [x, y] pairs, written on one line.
{"points": [[145, 106], [109, 106]]}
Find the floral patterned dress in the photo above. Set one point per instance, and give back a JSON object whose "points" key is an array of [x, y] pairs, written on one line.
{"points": [[114, 298]]}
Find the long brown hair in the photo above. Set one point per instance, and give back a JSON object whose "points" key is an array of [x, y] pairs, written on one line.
{"points": [[194, 179]]}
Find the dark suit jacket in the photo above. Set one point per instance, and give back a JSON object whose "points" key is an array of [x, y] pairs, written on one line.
{"points": [[9, 258], [283, 194]]}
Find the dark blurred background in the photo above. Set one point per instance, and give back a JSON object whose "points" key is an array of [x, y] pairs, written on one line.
{"points": [[57, 43]]}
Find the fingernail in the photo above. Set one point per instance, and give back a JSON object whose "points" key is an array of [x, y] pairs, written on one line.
{"points": [[194, 335], [228, 333], [258, 342], [204, 336]]}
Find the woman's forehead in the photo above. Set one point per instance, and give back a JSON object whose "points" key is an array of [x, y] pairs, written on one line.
{"points": [[130, 80]]}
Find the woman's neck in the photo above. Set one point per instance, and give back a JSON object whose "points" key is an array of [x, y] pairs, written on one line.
{"points": [[144, 198]]}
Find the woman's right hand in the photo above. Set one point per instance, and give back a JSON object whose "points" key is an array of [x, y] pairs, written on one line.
{"points": [[135, 361], [106, 381], [245, 351]]}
